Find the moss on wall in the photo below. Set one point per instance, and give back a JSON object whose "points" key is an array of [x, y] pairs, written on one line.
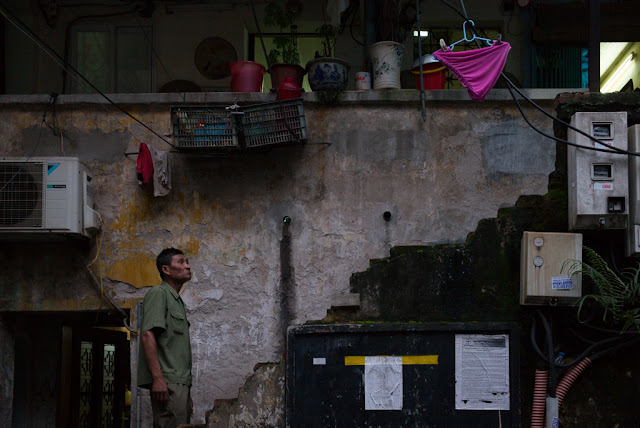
{"points": [[478, 280]]}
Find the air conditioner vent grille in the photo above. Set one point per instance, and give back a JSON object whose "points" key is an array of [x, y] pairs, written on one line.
{"points": [[21, 198]]}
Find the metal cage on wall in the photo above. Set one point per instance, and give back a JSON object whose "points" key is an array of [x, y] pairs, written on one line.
{"points": [[203, 128]]}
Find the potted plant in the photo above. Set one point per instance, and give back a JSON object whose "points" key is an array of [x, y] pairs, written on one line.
{"points": [[327, 73], [284, 58], [392, 26]]}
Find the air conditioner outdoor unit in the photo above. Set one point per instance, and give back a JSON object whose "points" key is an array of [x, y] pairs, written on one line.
{"points": [[46, 195]]}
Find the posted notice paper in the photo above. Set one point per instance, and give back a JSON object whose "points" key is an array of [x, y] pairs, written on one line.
{"points": [[383, 383], [482, 372]]}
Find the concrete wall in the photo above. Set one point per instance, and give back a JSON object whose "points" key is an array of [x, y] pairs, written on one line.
{"points": [[252, 275]]}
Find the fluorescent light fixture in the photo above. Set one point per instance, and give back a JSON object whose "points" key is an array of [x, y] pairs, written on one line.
{"points": [[420, 34], [618, 72]]}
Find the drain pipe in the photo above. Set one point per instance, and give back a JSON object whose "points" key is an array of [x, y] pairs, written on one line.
{"points": [[138, 389], [424, 113]]}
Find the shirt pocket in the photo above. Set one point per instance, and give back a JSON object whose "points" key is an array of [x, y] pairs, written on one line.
{"points": [[179, 323]]}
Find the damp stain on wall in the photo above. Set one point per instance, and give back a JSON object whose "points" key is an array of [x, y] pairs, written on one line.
{"points": [[138, 270]]}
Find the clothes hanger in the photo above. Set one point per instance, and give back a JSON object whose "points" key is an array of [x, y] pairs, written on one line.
{"points": [[473, 36]]}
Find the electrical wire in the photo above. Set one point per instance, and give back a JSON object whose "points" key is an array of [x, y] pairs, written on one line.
{"points": [[585, 353], [611, 149], [35, 147], [560, 140], [77, 76], [172, 80], [353, 18], [150, 43], [600, 354], [264, 49], [511, 85], [58, 59], [97, 257]]}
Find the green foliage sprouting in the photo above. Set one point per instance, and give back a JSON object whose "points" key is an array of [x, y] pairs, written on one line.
{"points": [[285, 45], [618, 295], [327, 34]]}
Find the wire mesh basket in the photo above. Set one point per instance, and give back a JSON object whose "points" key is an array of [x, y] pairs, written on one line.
{"points": [[203, 127], [274, 123]]}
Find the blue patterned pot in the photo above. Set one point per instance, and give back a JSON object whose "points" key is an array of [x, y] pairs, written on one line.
{"points": [[386, 59], [327, 74]]}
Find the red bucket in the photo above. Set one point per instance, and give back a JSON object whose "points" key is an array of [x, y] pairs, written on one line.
{"points": [[432, 75], [246, 76]]}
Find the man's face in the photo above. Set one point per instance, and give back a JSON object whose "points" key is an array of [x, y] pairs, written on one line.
{"points": [[178, 270]]}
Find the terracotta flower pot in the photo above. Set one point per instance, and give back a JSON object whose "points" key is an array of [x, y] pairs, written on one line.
{"points": [[280, 70]]}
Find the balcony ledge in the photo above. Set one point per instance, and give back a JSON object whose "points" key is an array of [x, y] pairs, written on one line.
{"points": [[402, 96]]}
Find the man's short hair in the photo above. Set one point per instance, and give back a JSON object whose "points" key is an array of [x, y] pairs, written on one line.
{"points": [[165, 257]]}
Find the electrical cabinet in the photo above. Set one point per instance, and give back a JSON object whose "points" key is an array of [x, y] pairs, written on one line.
{"points": [[598, 181], [633, 235], [542, 278]]}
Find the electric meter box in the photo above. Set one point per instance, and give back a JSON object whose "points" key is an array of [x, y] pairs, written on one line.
{"points": [[598, 181], [542, 279], [633, 237]]}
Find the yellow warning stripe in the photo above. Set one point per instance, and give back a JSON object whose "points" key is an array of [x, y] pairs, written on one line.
{"points": [[406, 359]]}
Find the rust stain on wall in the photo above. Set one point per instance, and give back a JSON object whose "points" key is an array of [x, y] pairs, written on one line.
{"points": [[139, 270], [190, 245], [136, 212]]}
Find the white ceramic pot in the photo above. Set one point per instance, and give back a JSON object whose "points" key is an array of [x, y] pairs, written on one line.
{"points": [[386, 58]]}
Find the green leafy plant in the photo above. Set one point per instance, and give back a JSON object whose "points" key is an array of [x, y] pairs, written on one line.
{"points": [[286, 44], [617, 295], [327, 34]]}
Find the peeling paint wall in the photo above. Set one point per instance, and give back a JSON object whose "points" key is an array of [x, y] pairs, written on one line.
{"points": [[437, 179]]}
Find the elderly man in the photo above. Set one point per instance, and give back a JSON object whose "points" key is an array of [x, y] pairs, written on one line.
{"points": [[165, 364]]}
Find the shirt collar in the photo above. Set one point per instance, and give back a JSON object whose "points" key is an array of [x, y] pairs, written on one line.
{"points": [[173, 292]]}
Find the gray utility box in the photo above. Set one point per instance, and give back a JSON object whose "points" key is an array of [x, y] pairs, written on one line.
{"points": [[598, 181], [633, 241]]}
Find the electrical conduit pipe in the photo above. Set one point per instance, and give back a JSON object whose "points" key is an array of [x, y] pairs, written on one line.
{"points": [[570, 377], [539, 397]]}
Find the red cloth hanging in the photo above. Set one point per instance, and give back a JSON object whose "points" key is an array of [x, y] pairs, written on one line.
{"points": [[477, 69], [144, 169]]}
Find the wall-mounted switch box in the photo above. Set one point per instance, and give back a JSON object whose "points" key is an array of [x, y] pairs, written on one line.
{"points": [[542, 279], [598, 181]]}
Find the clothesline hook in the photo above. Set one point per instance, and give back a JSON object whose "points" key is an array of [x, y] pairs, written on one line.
{"points": [[464, 30]]}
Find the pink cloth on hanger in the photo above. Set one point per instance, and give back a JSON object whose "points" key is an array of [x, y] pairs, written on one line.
{"points": [[144, 167], [478, 69]]}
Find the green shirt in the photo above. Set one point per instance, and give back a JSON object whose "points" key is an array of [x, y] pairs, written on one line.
{"points": [[163, 308]]}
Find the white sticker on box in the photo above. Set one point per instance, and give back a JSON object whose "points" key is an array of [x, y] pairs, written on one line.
{"points": [[603, 186], [561, 283], [319, 361]]}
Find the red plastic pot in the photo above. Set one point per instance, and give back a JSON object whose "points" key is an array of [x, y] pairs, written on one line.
{"points": [[246, 76], [432, 76]]}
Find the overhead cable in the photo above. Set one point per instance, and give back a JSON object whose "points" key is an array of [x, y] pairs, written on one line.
{"points": [[511, 85], [36, 39]]}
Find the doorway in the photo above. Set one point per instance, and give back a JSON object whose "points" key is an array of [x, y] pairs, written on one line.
{"points": [[70, 370]]}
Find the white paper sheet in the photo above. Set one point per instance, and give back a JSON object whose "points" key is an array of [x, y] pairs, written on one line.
{"points": [[482, 372], [383, 383]]}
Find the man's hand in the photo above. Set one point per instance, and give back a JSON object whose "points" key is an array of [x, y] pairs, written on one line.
{"points": [[159, 391]]}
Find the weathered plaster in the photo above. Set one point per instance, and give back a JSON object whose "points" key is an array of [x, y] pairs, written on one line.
{"points": [[437, 178]]}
